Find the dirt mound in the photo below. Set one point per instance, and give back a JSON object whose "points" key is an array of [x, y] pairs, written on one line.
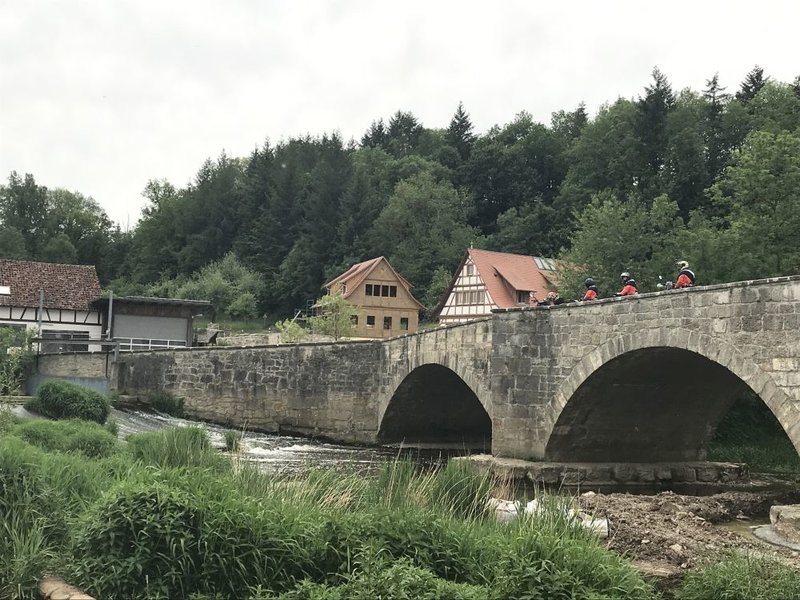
{"points": [[668, 532]]}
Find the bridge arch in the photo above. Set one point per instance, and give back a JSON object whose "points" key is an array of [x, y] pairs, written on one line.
{"points": [[657, 396], [433, 406]]}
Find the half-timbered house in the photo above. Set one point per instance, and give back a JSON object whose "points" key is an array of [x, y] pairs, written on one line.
{"points": [[488, 280], [53, 297]]}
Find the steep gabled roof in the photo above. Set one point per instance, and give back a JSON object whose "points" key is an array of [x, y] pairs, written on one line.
{"points": [[353, 277], [65, 286], [504, 274]]}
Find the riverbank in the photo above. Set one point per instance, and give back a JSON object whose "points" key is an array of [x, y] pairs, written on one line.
{"points": [[668, 535]]}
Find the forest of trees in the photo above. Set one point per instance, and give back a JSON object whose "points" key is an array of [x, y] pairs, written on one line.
{"points": [[711, 176]]}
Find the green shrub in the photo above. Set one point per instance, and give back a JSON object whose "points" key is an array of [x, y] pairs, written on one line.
{"points": [[400, 580], [64, 400], [155, 539], [176, 447], [233, 440], [740, 576], [167, 403], [87, 438]]}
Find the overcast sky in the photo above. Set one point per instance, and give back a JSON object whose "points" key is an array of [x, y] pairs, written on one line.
{"points": [[99, 96]]}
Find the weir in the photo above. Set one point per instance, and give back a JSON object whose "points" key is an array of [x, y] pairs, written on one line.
{"points": [[622, 380]]}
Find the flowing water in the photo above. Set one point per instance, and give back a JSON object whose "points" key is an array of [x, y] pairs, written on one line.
{"points": [[284, 453]]}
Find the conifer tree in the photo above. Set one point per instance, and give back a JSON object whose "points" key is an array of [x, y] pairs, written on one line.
{"points": [[460, 133], [752, 84]]}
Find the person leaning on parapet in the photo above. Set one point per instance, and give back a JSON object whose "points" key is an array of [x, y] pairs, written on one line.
{"points": [[686, 276], [628, 285], [591, 290]]}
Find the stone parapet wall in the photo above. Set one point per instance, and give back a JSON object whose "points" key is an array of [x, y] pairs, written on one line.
{"points": [[313, 389]]}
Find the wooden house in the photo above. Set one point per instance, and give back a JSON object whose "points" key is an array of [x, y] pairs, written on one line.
{"points": [[386, 306], [488, 280]]}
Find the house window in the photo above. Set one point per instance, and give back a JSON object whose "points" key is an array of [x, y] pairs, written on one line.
{"points": [[404, 323], [393, 291], [385, 291], [387, 322], [370, 321], [354, 320], [469, 270], [368, 290], [522, 297]]}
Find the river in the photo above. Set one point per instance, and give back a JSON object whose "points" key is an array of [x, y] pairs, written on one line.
{"points": [[275, 453]]}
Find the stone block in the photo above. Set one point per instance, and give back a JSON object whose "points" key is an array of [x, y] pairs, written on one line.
{"points": [[683, 474], [785, 519]]}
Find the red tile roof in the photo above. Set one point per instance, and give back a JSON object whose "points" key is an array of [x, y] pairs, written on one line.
{"points": [[505, 274], [65, 286]]}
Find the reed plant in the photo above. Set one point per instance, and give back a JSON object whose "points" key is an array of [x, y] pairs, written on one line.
{"points": [[176, 447], [741, 576]]}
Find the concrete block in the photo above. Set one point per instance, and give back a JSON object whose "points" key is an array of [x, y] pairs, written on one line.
{"points": [[785, 519]]}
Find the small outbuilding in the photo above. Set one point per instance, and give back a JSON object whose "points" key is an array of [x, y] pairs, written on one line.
{"points": [[144, 323]]}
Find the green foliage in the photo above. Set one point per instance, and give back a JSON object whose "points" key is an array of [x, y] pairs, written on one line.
{"points": [[759, 194], [16, 356], [85, 437], [167, 403], [749, 433], [614, 236], [63, 400], [334, 317], [233, 440], [12, 244], [380, 578], [176, 447], [737, 576], [291, 331]]}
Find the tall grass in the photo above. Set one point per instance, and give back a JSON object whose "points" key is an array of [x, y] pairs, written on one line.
{"points": [[176, 447], [741, 576], [168, 518]]}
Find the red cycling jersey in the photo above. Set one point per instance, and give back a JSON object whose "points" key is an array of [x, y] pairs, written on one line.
{"points": [[683, 281], [590, 295], [628, 290]]}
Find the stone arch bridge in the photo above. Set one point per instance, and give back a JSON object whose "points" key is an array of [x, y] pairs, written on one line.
{"points": [[643, 379]]}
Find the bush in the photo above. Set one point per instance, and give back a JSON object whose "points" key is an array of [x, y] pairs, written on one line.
{"points": [[176, 447], [167, 403], [171, 540], [233, 440], [399, 580], [64, 400], [739, 576], [87, 438]]}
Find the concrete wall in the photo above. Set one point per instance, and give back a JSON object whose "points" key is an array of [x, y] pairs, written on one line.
{"points": [[89, 369]]}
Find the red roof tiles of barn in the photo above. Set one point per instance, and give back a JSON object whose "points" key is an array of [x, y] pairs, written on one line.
{"points": [[65, 286], [505, 274]]}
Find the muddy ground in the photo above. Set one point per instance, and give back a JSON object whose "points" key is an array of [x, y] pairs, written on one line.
{"points": [[667, 534]]}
